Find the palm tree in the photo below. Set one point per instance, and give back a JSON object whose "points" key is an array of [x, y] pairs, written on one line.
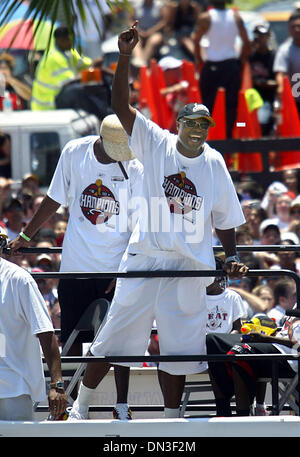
{"points": [[54, 10]]}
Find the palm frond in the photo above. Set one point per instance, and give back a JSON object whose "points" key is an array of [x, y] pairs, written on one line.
{"points": [[43, 10]]}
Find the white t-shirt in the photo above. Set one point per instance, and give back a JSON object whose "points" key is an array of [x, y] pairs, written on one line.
{"points": [[223, 310], [284, 334], [277, 313], [182, 196], [222, 35], [98, 197], [23, 315]]}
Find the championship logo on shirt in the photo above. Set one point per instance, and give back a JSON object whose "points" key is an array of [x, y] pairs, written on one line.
{"points": [[181, 194], [216, 317], [98, 203]]}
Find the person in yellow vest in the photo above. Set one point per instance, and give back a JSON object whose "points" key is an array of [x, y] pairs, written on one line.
{"points": [[61, 66]]}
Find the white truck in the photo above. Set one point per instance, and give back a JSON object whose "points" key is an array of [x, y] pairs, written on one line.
{"points": [[38, 137]]}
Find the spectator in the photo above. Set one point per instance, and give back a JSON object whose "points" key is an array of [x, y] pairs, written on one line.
{"points": [[152, 22], [23, 317], [134, 307], [287, 59], [295, 210], [182, 16], [14, 217], [274, 190], [221, 67], [263, 77], [99, 225], [241, 378], [282, 211], [5, 155], [257, 216], [269, 234], [285, 299], [290, 178], [57, 68], [31, 181], [266, 294], [60, 230], [18, 92], [175, 91], [288, 259], [225, 307]]}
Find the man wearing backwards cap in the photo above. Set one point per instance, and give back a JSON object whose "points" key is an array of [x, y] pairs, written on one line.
{"points": [[95, 178], [187, 183], [23, 317]]}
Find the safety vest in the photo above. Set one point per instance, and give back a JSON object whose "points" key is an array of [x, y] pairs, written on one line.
{"points": [[53, 71]]}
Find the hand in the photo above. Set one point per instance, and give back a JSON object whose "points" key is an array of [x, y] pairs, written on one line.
{"points": [[57, 402], [16, 244], [111, 286], [235, 270], [128, 39], [253, 337]]}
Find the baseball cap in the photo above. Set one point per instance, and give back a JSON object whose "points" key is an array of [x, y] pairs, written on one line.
{"points": [[169, 62], [296, 202], [263, 29], [115, 140], [195, 111], [267, 223], [290, 236]]}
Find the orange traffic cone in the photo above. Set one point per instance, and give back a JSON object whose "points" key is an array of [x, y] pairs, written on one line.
{"points": [[246, 78], [289, 127], [244, 128], [158, 82], [219, 115], [146, 98], [189, 75]]}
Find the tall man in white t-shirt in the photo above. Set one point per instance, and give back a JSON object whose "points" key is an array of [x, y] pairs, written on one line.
{"points": [[25, 328], [185, 185], [96, 177]]}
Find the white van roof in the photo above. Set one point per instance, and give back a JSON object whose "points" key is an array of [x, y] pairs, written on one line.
{"points": [[49, 118]]}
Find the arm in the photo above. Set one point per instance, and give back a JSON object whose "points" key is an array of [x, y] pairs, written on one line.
{"points": [[46, 209], [20, 88], [236, 327], [120, 86], [256, 303], [57, 397], [202, 26], [227, 238], [246, 48]]}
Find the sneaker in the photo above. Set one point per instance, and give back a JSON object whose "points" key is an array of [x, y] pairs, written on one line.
{"points": [[260, 410], [78, 413], [122, 412]]}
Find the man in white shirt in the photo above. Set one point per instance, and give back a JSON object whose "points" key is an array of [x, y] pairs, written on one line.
{"points": [[25, 330], [96, 177], [185, 184], [285, 299]]}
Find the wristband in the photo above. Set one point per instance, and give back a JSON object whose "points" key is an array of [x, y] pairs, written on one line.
{"points": [[121, 54], [232, 258], [25, 237]]}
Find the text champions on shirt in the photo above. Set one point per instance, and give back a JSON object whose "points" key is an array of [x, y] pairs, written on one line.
{"points": [[180, 213]]}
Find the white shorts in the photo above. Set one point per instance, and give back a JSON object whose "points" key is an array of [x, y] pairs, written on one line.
{"points": [[177, 304], [16, 408]]}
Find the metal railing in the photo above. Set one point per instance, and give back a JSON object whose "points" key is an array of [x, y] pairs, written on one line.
{"points": [[273, 358]]}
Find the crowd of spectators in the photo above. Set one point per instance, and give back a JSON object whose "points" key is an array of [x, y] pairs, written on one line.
{"points": [[272, 213]]}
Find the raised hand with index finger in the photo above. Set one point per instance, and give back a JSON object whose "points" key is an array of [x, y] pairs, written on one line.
{"points": [[128, 39]]}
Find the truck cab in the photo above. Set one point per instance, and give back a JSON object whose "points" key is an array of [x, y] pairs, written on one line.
{"points": [[38, 137]]}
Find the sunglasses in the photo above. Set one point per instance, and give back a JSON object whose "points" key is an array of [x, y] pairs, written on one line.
{"points": [[295, 211], [191, 123]]}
